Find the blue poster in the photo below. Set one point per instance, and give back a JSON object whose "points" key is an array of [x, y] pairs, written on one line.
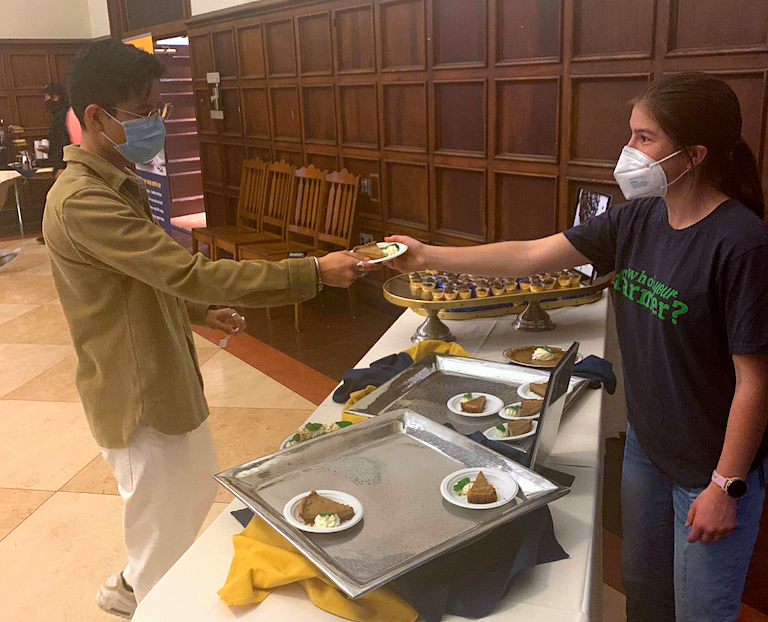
{"points": [[159, 198]]}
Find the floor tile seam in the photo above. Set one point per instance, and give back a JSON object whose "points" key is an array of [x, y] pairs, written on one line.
{"points": [[53, 492]]}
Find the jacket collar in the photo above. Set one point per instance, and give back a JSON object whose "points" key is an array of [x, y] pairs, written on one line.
{"points": [[114, 176]]}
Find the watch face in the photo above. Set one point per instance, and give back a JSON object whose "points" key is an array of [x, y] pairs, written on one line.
{"points": [[737, 488]]}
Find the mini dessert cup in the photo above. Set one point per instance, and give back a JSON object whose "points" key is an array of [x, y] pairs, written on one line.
{"points": [[549, 283], [524, 283], [575, 279], [437, 294], [465, 293], [536, 286], [450, 293], [482, 291]]}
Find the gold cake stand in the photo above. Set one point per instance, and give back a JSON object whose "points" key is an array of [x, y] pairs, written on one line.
{"points": [[529, 307]]}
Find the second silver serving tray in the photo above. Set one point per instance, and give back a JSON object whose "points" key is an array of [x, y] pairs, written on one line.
{"points": [[393, 464]]}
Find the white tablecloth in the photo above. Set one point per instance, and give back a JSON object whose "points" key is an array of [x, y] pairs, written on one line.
{"points": [[569, 590]]}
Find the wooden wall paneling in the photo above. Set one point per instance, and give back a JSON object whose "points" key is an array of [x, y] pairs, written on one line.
{"points": [[201, 55], [458, 209], [224, 56], [233, 153], [281, 48], [255, 112], [525, 206], [205, 125], [402, 35], [315, 44], [355, 40], [292, 156], [323, 161], [216, 209], [539, 38], [717, 26], [368, 206], [460, 119], [3, 80], [527, 118], [600, 116], [211, 163], [460, 30], [286, 113], [32, 113], [5, 109], [231, 125], [319, 114], [613, 29], [405, 116], [62, 63], [29, 70], [407, 196], [250, 51], [262, 151], [358, 115]]}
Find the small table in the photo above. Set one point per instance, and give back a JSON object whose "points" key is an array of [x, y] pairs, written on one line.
{"points": [[10, 178]]}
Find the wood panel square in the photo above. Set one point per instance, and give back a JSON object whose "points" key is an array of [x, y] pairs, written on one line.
{"points": [[263, 152], [62, 62], [3, 79], [528, 29], [256, 112], [402, 34], [230, 104], [224, 53], [319, 114], [359, 115], [289, 155], [718, 24], [354, 40], [408, 195], [281, 50], [32, 112], [216, 209], [250, 50], [525, 207], [460, 31], [323, 161], [211, 163], [285, 113], [315, 44], [29, 71], [5, 109], [233, 159], [367, 206], [460, 202], [200, 56], [205, 124], [614, 27], [600, 117], [526, 118], [750, 89], [460, 116], [405, 116]]}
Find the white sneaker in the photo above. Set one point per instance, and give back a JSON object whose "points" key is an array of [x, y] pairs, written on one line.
{"points": [[114, 598]]}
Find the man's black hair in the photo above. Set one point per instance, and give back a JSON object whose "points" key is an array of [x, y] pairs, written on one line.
{"points": [[109, 72], [54, 88]]}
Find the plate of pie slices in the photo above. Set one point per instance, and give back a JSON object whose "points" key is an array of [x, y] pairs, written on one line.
{"points": [[500, 432], [477, 404], [453, 488], [308, 505]]}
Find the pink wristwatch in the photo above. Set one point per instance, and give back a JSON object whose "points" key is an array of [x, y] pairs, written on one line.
{"points": [[734, 486]]}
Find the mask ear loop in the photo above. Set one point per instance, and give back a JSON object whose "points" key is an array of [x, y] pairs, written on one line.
{"points": [[104, 134], [671, 155]]}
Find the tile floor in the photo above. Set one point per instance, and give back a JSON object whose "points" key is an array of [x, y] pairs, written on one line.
{"points": [[60, 514]]}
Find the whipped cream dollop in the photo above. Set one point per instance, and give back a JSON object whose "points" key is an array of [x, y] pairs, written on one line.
{"points": [[542, 354], [327, 521]]}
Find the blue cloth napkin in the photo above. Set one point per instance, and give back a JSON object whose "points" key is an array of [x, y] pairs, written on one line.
{"points": [[598, 371], [377, 374], [470, 581]]}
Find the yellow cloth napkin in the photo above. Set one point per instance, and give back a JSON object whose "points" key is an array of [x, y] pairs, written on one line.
{"points": [[264, 560], [417, 352]]}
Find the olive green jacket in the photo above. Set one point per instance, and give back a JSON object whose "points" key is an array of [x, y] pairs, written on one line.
{"points": [[130, 293]]}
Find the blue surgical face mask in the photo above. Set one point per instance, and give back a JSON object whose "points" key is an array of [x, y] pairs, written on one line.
{"points": [[144, 138]]}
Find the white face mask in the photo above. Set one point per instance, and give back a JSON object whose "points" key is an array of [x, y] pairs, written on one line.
{"points": [[640, 175]]}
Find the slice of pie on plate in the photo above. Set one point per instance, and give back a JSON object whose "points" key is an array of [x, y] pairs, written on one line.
{"points": [[314, 504], [481, 491]]}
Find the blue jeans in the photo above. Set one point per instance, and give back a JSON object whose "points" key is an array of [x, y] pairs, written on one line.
{"points": [[666, 578]]}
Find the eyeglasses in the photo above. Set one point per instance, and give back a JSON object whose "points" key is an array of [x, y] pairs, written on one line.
{"points": [[164, 111]]}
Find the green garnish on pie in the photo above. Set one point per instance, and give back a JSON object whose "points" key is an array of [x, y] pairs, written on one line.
{"points": [[343, 424], [460, 484], [326, 513], [468, 396], [501, 427]]}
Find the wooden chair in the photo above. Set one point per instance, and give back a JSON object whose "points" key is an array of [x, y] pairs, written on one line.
{"points": [[302, 228], [250, 206], [279, 192]]}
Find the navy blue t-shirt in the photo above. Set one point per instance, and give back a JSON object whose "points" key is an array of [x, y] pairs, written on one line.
{"points": [[686, 301]]}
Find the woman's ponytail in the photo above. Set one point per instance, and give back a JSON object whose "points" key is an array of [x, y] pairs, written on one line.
{"points": [[741, 181]]}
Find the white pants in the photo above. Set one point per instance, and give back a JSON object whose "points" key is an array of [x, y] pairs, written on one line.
{"points": [[167, 485]]}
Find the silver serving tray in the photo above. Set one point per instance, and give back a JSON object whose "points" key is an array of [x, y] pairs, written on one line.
{"points": [[426, 386], [393, 464]]}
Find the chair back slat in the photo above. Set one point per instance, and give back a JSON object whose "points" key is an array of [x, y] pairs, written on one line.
{"points": [[340, 211], [250, 204], [281, 190], [309, 196]]}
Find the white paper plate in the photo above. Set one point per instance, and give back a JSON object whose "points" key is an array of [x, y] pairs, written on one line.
{"points": [[503, 415], [291, 513], [490, 432], [401, 250], [493, 405], [505, 485], [524, 391]]}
